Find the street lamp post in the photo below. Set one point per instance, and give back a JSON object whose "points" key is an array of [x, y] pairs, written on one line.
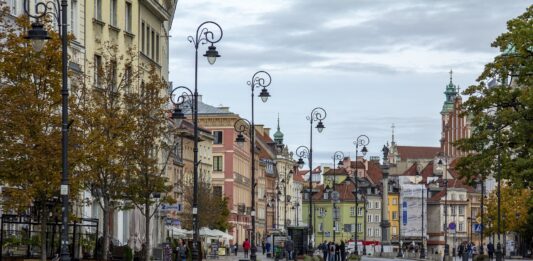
{"points": [[418, 174], [400, 211], [260, 79], [317, 114], [499, 256], [285, 182], [38, 35], [203, 36], [362, 140], [482, 181], [338, 158], [445, 176]]}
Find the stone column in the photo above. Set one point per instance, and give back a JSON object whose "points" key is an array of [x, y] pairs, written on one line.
{"points": [[385, 224]]}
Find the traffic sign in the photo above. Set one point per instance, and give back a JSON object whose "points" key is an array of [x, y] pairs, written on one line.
{"points": [[335, 195], [477, 228], [451, 226]]}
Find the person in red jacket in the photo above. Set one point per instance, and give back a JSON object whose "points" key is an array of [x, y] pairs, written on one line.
{"points": [[246, 246]]}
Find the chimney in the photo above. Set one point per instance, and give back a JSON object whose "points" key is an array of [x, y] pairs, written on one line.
{"points": [[267, 132], [224, 109]]}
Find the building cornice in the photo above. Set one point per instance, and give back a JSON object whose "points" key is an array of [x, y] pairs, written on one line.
{"points": [[157, 9]]}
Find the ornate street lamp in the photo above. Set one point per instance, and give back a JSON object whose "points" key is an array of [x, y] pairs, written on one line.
{"points": [[38, 35], [260, 79], [361, 141], [445, 177], [204, 35], [338, 158]]}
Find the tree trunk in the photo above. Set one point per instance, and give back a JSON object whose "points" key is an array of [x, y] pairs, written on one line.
{"points": [[105, 225], [148, 244], [44, 221]]}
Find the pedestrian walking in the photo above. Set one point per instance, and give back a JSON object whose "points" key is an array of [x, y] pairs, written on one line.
{"points": [[246, 246], [490, 249], [289, 249], [324, 248]]}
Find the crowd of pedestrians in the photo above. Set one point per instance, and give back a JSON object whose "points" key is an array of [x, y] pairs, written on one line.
{"points": [[333, 251]]}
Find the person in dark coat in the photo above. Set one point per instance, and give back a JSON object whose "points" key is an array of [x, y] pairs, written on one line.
{"points": [[324, 248], [490, 249], [342, 250]]}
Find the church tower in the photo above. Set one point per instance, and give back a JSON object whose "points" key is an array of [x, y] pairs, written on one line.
{"points": [[454, 126]]}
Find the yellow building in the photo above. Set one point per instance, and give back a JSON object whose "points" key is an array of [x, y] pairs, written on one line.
{"points": [[394, 216]]}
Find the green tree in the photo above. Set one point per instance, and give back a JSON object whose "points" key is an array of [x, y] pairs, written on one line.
{"points": [[213, 211], [500, 107], [30, 124], [107, 126], [146, 186]]}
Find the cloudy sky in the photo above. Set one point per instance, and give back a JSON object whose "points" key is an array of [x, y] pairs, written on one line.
{"points": [[369, 63]]}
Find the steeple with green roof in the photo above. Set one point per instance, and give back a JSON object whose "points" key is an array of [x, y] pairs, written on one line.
{"points": [[451, 92], [278, 136]]}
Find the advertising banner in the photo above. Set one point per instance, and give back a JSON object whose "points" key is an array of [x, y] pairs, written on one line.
{"points": [[412, 208]]}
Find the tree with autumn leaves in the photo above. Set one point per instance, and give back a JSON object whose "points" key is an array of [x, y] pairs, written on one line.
{"points": [[117, 135], [500, 109], [30, 125]]}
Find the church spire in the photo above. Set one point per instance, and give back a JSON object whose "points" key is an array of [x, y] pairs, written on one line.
{"points": [[392, 141], [278, 136], [450, 93]]}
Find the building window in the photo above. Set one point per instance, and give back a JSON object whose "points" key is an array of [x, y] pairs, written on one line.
{"points": [[461, 210], [394, 215], [369, 232], [460, 227], [217, 163], [218, 137], [360, 212], [113, 76], [217, 191], [394, 231], [142, 37], [157, 48], [394, 201], [376, 218], [321, 212], [13, 8], [359, 227], [113, 13], [129, 17], [352, 211], [153, 45], [368, 218], [377, 232], [453, 210], [74, 17], [147, 32], [376, 205], [97, 70], [98, 9], [368, 205], [336, 226]]}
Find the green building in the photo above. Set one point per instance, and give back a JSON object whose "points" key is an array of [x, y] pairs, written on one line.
{"points": [[336, 184]]}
